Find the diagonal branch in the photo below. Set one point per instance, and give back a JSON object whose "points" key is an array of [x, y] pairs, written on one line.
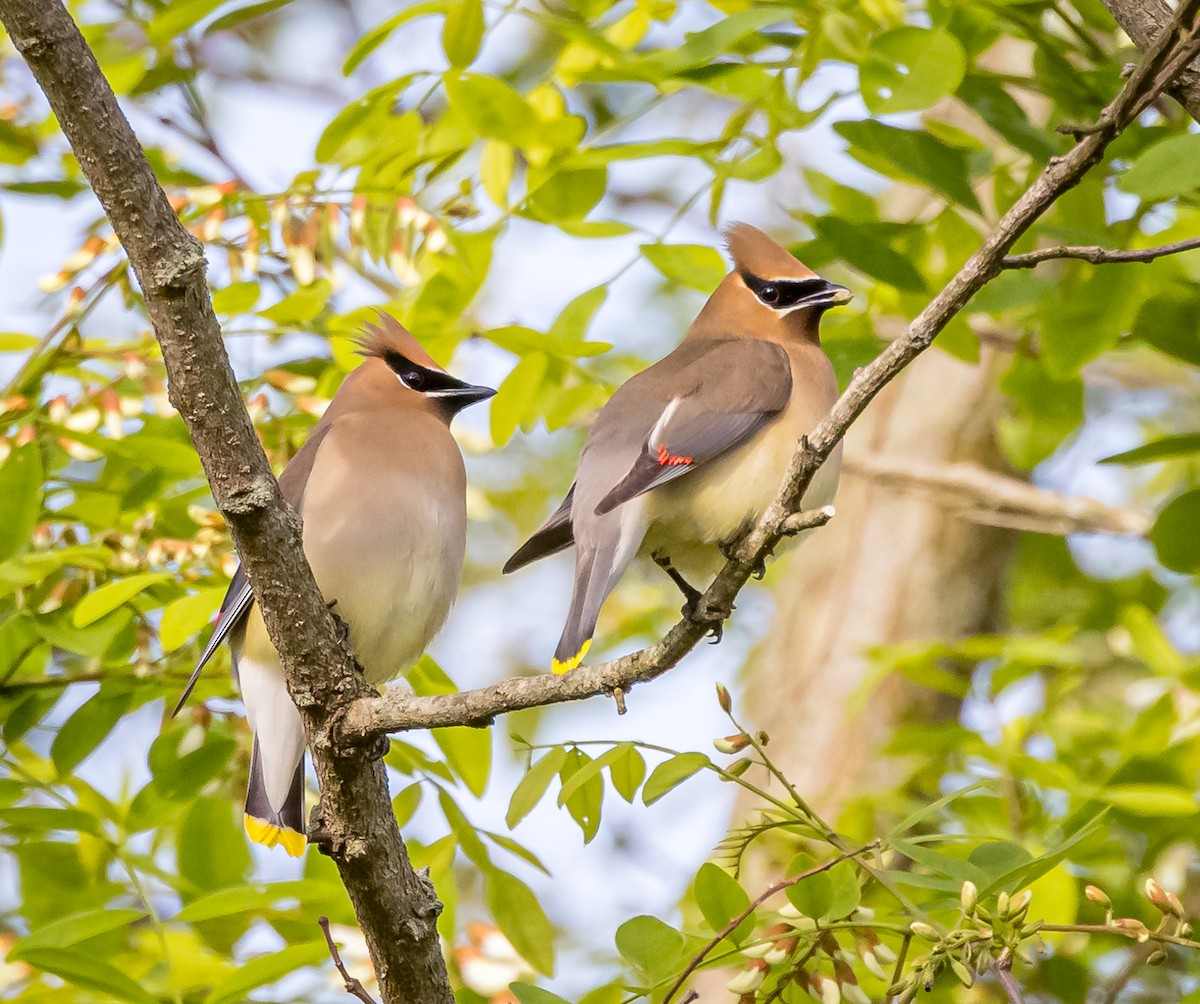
{"points": [[995, 499], [396, 908], [1175, 48], [1144, 21], [1098, 255]]}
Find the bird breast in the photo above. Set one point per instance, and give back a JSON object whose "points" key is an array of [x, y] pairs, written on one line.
{"points": [[719, 501], [384, 530]]}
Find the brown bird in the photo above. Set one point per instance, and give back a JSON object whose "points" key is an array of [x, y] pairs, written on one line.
{"points": [[688, 454], [381, 489]]}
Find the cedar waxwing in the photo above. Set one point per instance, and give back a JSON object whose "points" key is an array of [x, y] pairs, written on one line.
{"points": [[381, 489], [688, 454]]}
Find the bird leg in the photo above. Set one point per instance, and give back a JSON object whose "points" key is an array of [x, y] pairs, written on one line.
{"points": [[729, 547], [694, 609], [343, 629]]}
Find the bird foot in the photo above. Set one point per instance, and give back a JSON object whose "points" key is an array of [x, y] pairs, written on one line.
{"points": [[699, 612], [694, 608], [318, 834], [343, 629], [728, 550], [377, 747]]}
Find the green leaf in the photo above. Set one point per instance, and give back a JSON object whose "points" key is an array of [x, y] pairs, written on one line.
{"points": [[812, 896], [584, 801], [266, 969], [650, 946], [572, 322], [300, 307], [720, 899], [43, 818], [374, 38], [1168, 323], [671, 773], [1176, 534], [106, 599], [1163, 448], [908, 69], [236, 298], [73, 929], [185, 617], [521, 919], [845, 892], [211, 850], [85, 969], [533, 785], [567, 194], [1151, 799], [996, 858], [20, 499], [527, 994], [1165, 170], [865, 249], [87, 728], [696, 266], [405, 804], [911, 156], [242, 14], [469, 753], [517, 396], [256, 897], [626, 770], [462, 33], [490, 107]]}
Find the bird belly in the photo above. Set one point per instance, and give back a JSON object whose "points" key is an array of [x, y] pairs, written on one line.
{"points": [[391, 567], [691, 515]]}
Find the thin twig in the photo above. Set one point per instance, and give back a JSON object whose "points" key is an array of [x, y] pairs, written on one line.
{"points": [[353, 986], [901, 958], [1003, 968], [701, 955], [1098, 255]]}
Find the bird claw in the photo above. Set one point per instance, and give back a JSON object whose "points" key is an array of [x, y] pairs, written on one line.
{"points": [[728, 549], [698, 612]]}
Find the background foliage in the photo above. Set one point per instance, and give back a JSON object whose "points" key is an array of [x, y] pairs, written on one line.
{"points": [[596, 130]]}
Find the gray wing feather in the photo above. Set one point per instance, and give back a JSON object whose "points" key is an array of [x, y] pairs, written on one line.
{"points": [[234, 607]]}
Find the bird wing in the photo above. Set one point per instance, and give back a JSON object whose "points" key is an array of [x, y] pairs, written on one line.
{"points": [[555, 535], [239, 597], [719, 400]]}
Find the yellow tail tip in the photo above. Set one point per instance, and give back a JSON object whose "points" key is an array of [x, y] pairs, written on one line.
{"points": [[270, 835], [573, 662]]}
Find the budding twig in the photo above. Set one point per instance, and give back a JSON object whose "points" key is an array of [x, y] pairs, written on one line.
{"points": [[1098, 255], [353, 987]]}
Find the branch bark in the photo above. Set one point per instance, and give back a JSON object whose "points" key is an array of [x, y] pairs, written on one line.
{"points": [[396, 907], [1175, 48], [993, 499], [1098, 255], [1144, 22]]}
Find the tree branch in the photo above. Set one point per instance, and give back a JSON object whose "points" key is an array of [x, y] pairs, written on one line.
{"points": [[394, 712], [1098, 255], [998, 500], [1144, 21], [354, 986], [1003, 969], [396, 908]]}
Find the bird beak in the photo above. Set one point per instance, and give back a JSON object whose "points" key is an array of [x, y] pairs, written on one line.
{"points": [[463, 395], [832, 295]]}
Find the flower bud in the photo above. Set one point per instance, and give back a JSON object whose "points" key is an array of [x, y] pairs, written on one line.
{"points": [[884, 954], [748, 980], [1020, 901], [1158, 896], [757, 951], [1097, 895], [732, 744], [1156, 958], [1002, 904], [923, 930], [830, 992], [852, 993], [872, 966], [739, 767], [965, 976], [968, 897], [1132, 927], [724, 699]]}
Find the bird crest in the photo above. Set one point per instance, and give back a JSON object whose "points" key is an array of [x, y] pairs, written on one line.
{"points": [[754, 252], [388, 337]]}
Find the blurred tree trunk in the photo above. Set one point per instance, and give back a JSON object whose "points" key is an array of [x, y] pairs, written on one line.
{"points": [[890, 568]]}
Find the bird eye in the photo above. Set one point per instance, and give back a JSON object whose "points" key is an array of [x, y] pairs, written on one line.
{"points": [[769, 294], [414, 379]]}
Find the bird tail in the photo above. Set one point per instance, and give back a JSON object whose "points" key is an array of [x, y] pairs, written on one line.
{"points": [[597, 571], [266, 824]]}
